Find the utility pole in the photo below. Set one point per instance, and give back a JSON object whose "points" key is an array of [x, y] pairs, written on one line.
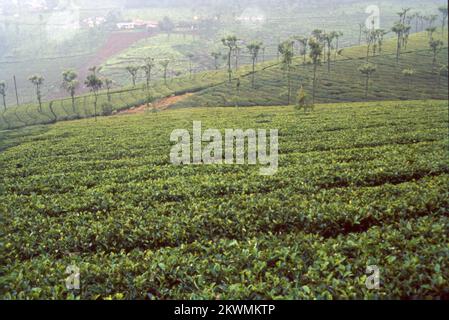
{"points": [[17, 94]]}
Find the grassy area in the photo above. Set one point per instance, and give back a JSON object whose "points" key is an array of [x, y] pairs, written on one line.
{"points": [[160, 47], [359, 184]]}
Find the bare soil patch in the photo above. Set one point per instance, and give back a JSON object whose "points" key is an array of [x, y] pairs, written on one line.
{"points": [[160, 105]]}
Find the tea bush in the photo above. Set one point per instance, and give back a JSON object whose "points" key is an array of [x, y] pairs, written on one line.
{"points": [[359, 184]]}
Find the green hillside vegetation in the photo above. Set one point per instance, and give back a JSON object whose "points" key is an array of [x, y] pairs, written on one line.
{"points": [[343, 83], [121, 99], [359, 184], [176, 47]]}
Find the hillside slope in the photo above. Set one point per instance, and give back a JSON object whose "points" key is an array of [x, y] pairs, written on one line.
{"points": [[359, 184], [344, 82]]}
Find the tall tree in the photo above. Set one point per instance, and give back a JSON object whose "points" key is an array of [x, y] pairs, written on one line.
{"points": [[286, 51], [443, 11], [3, 93], [319, 36], [94, 83], [216, 55], [435, 46], [190, 57], [398, 28], [70, 84], [329, 39], [432, 19], [231, 43], [108, 84], [254, 49], [380, 39], [443, 72], [133, 71], [316, 50], [361, 27], [236, 56], [415, 16], [167, 26], [403, 15], [370, 36], [338, 34], [38, 81], [367, 70], [147, 68], [303, 41], [431, 31], [406, 35], [164, 64]]}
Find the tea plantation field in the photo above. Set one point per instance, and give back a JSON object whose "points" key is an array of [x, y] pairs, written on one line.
{"points": [[344, 82], [359, 184], [210, 88]]}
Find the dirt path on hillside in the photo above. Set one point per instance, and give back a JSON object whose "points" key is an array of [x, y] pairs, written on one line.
{"points": [[160, 105]]}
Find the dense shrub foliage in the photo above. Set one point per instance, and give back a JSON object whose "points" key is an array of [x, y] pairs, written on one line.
{"points": [[358, 184]]}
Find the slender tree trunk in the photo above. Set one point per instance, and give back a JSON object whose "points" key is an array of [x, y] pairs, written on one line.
{"points": [[398, 49], [254, 72], [368, 49], [95, 106], [236, 59], [336, 49], [289, 85], [50, 106], [190, 69], [39, 99], [3, 113], [366, 87], [229, 65], [324, 52], [314, 83], [73, 103], [38, 94]]}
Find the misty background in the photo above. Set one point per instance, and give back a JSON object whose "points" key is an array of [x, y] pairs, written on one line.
{"points": [[47, 37]]}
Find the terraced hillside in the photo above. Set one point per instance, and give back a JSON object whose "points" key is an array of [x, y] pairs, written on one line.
{"points": [[359, 184], [344, 83]]}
